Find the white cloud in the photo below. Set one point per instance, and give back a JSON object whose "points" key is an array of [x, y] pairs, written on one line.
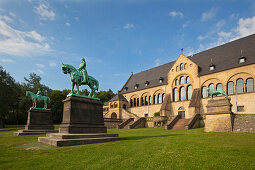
{"points": [[128, 26], [52, 63], [76, 18], [4, 60], [67, 24], [44, 12], [6, 18], [220, 23], [234, 16], [20, 43], [40, 65], [185, 24], [158, 62], [189, 51], [210, 14], [176, 14], [12, 14], [246, 26], [40, 71]]}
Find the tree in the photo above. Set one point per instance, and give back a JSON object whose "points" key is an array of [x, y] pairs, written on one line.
{"points": [[8, 95], [56, 104], [105, 96], [34, 82]]}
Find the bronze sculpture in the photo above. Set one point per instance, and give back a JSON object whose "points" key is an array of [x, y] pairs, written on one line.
{"points": [[80, 77]]}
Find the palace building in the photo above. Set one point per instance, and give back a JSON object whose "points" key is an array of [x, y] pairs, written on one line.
{"points": [[180, 87]]}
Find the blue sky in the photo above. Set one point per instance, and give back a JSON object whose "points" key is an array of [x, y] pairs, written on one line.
{"points": [[115, 37]]}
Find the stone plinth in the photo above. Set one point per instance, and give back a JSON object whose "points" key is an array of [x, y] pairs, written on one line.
{"points": [[219, 116], [82, 115], [39, 121], [82, 123]]}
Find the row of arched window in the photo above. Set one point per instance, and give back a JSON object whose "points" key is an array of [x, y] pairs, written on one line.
{"points": [[182, 93], [240, 86], [113, 105], [146, 100], [182, 80]]}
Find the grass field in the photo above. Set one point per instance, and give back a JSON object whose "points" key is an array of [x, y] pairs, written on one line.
{"points": [[146, 148]]}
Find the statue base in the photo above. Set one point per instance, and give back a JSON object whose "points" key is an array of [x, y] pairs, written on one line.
{"points": [[39, 121], [82, 123], [219, 116]]}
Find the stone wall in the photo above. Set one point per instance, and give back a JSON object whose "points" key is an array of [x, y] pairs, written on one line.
{"points": [[244, 123], [112, 123]]}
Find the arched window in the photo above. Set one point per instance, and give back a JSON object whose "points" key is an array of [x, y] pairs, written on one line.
{"points": [[124, 106], [249, 85], [137, 103], [211, 86], [134, 102], [115, 105], [182, 93], [181, 66], [131, 103], [219, 87], [182, 80], [146, 100], [154, 99], [187, 79], [163, 97], [114, 115], [230, 89], [142, 102], [176, 82], [239, 86], [149, 99], [204, 92], [175, 94], [159, 98], [189, 92]]}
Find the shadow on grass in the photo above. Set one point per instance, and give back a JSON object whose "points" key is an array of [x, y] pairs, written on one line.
{"points": [[144, 137]]}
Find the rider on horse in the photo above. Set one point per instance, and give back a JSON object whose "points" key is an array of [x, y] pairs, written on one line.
{"points": [[82, 69], [39, 94]]}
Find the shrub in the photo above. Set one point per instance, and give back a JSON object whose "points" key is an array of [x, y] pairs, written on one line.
{"points": [[157, 114]]}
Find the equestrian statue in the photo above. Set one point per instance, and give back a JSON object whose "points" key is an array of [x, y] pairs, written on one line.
{"points": [[212, 92], [38, 97], [80, 77]]}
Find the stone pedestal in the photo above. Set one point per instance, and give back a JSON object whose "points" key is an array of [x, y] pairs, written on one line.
{"points": [[82, 123], [219, 116], [39, 121]]}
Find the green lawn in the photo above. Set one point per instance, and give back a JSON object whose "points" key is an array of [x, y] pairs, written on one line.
{"points": [[146, 148]]}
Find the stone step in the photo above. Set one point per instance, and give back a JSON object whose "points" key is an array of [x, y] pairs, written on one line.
{"points": [[77, 136], [80, 141], [33, 132], [28, 133], [127, 126]]}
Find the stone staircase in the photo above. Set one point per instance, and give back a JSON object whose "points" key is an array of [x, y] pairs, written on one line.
{"points": [[180, 124], [127, 126]]}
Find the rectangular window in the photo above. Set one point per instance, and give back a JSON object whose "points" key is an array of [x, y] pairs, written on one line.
{"points": [[240, 108]]}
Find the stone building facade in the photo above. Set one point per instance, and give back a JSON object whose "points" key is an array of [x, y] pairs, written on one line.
{"points": [[179, 87]]}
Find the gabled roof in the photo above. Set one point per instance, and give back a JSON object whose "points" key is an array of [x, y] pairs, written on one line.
{"points": [[152, 76], [118, 97], [223, 57]]}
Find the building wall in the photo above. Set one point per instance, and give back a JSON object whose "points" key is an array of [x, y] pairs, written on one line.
{"points": [[190, 69]]}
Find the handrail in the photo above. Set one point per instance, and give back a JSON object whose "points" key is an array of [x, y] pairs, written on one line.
{"points": [[138, 122], [173, 122], [123, 124], [192, 121]]}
